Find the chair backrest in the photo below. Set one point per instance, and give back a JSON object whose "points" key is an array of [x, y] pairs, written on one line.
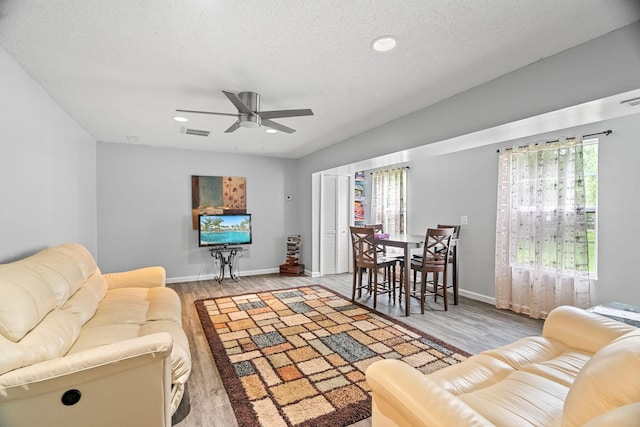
{"points": [[363, 243], [456, 230], [456, 235], [376, 227], [436, 246]]}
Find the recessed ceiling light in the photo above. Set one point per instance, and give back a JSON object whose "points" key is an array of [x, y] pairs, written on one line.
{"points": [[384, 43], [180, 119], [271, 131]]}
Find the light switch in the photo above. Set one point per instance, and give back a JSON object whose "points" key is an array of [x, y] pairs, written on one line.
{"points": [[463, 220]]}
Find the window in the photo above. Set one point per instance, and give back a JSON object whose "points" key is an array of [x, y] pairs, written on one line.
{"points": [[388, 200], [537, 182], [546, 227]]}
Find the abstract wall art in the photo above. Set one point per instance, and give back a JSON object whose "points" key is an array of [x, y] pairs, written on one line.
{"points": [[217, 195]]}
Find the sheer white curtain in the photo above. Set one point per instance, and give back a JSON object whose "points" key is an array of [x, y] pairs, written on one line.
{"points": [[388, 199], [542, 256]]}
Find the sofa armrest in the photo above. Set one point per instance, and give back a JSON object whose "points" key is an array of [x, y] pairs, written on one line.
{"points": [[125, 383], [147, 277], [582, 330], [404, 396]]}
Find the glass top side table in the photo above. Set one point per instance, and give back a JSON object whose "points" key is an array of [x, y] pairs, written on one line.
{"points": [[625, 313]]}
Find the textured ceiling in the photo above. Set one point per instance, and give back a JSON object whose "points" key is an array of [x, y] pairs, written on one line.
{"points": [[122, 67]]}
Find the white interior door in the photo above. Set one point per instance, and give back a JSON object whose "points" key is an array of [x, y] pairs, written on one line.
{"points": [[343, 219], [334, 224], [328, 224]]}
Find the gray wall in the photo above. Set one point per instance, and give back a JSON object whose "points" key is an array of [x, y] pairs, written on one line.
{"points": [[144, 208], [471, 191], [47, 170], [140, 216], [607, 66]]}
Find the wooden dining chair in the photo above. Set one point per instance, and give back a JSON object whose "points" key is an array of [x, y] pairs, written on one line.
{"points": [[435, 260], [382, 250], [378, 229], [366, 258], [453, 259]]}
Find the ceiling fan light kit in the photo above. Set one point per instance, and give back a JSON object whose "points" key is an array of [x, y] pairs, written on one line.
{"points": [[250, 116], [249, 120]]}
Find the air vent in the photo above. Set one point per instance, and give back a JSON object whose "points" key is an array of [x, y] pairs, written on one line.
{"points": [[631, 102], [197, 132]]}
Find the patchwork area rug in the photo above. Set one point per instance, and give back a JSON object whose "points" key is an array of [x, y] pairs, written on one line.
{"points": [[297, 357]]}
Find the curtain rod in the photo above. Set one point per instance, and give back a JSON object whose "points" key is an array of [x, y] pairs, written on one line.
{"points": [[604, 132], [386, 169]]}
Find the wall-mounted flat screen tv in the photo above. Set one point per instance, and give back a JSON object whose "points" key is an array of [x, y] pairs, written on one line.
{"points": [[224, 230]]}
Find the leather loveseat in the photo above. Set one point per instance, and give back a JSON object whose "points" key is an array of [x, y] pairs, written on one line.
{"points": [[82, 348], [583, 371]]}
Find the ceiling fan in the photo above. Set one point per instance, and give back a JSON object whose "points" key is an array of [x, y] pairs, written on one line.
{"points": [[250, 116]]}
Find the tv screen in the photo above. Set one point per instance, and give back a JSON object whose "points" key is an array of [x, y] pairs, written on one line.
{"points": [[225, 230]]}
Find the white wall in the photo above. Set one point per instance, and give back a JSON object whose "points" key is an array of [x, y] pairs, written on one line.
{"points": [[47, 170], [144, 209]]}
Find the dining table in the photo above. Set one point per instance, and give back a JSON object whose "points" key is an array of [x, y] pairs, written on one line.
{"points": [[406, 242]]}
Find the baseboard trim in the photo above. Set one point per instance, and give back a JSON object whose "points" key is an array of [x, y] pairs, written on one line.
{"points": [[472, 295], [213, 276], [477, 296]]}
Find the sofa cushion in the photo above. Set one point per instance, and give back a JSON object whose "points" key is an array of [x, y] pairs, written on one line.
{"points": [[476, 373], [34, 286], [26, 299], [492, 366], [127, 313], [609, 380], [521, 399], [84, 303], [51, 338], [528, 350], [523, 383], [46, 298], [562, 369], [65, 268]]}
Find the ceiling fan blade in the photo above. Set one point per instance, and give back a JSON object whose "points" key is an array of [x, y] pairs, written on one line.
{"points": [[284, 113], [236, 101], [207, 112], [277, 126], [233, 127]]}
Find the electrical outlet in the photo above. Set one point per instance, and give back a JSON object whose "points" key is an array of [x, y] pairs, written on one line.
{"points": [[463, 220]]}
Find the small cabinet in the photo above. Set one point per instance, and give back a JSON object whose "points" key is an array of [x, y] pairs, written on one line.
{"points": [[292, 266]]}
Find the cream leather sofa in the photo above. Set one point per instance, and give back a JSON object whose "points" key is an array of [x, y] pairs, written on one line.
{"points": [[583, 371], [82, 348]]}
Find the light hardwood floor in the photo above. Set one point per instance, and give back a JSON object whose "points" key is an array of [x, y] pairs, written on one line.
{"points": [[472, 326]]}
